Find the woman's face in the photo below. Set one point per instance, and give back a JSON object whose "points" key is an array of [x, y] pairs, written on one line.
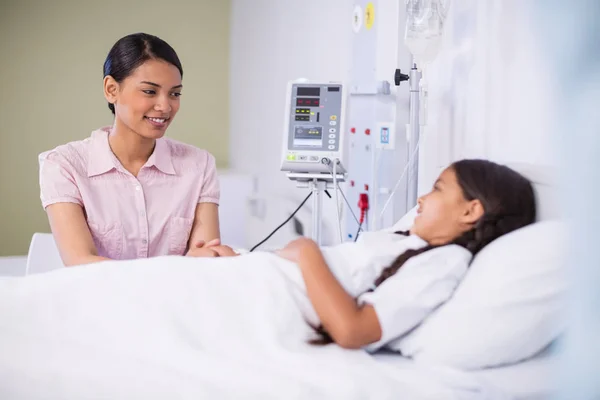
{"points": [[147, 100], [444, 214]]}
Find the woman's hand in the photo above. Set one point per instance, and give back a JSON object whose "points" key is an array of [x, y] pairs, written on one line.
{"points": [[224, 251], [203, 249], [202, 252], [211, 249], [294, 249]]}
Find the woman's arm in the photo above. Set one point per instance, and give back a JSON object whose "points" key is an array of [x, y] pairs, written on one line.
{"points": [[349, 325], [72, 234], [206, 225]]}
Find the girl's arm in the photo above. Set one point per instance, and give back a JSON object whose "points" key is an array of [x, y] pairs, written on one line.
{"points": [[349, 325]]}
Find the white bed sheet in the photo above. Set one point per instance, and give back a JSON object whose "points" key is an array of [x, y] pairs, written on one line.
{"points": [[529, 380], [140, 330]]}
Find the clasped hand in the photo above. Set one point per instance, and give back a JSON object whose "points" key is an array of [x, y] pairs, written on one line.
{"points": [[292, 251], [213, 248]]}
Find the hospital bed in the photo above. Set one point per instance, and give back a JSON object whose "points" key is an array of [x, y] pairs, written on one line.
{"points": [[532, 379], [525, 380]]}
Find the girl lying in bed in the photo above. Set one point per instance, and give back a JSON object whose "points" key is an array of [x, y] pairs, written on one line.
{"points": [[366, 294], [370, 293]]}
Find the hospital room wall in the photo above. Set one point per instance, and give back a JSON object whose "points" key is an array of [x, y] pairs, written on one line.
{"points": [[273, 42], [51, 56], [488, 90], [487, 86]]}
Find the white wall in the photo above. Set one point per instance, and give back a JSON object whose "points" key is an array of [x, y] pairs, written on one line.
{"points": [[487, 87], [273, 42], [488, 90]]}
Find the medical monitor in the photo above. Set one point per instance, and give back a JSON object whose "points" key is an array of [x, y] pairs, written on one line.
{"points": [[314, 128]]}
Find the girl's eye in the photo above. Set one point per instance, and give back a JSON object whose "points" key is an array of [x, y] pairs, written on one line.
{"points": [[149, 91], [176, 94]]}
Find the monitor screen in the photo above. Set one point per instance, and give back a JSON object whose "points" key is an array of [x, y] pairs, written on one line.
{"points": [[308, 136], [309, 91]]}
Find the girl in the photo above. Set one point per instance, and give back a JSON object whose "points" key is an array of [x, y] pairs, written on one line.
{"points": [[359, 301], [127, 192]]}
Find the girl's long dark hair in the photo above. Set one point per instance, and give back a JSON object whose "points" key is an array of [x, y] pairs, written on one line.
{"points": [[508, 201]]}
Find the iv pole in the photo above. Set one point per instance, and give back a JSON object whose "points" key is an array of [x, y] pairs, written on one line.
{"points": [[412, 132], [413, 138]]}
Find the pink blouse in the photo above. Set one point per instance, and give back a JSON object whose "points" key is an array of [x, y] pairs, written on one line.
{"points": [[131, 217]]}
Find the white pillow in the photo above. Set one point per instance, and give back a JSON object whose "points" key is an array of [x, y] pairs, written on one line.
{"points": [[405, 223], [509, 306]]}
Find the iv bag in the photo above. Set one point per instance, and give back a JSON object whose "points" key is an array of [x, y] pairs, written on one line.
{"points": [[424, 27]]}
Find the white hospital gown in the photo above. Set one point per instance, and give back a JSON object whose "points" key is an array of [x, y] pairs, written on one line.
{"points": [[404, 300]]}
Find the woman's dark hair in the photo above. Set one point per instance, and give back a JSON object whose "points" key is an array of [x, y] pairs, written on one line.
{"points": [[508, 202], [132, 51]]}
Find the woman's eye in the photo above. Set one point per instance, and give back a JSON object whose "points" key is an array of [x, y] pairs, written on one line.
{"points": [[176, 94], [149, 91]]}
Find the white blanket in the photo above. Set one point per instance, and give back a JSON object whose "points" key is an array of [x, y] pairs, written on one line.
{"points": [[183, 328]]}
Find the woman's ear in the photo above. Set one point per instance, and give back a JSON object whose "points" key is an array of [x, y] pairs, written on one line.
{"points": [[473, 212], [111, 89]]}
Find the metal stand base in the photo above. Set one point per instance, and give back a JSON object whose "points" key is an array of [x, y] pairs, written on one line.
{"points": [[317, 183]]}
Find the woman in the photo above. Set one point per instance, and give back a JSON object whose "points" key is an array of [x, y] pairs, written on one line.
{"points": [[367, 294], [127, 191]]}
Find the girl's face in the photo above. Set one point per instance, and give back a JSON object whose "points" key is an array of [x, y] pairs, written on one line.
{"points": [[444, 213], [147, 100]]}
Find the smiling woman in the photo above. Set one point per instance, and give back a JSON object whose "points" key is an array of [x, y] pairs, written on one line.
{"points": [[127, 191]]}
